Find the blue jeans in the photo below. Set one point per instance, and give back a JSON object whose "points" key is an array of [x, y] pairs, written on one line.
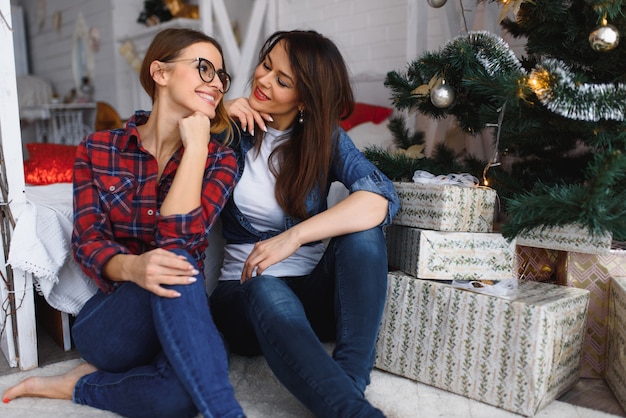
{"points": [[287, 319], [156, 357]]}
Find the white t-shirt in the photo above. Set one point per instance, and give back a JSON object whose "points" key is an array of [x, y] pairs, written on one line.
{"points": [[254, 196]]}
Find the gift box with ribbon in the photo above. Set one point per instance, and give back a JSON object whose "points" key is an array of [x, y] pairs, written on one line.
{"points": [[445, 203]]}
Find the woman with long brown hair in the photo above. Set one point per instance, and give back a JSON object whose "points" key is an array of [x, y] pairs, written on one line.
{"points": [[145, 199], [282, 291]]}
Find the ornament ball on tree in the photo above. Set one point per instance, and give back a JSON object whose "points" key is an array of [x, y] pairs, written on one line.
{"points": [[604, 38], [442, 95], [436, 3]]}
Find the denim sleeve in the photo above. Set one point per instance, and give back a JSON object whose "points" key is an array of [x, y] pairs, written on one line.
{"points": [[357, 173]]}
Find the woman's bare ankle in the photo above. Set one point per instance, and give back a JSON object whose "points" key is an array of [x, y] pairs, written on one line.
{"points": [[53, 387]]}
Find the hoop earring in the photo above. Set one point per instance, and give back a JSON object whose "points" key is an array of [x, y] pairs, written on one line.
{"points": [[301, 118]]}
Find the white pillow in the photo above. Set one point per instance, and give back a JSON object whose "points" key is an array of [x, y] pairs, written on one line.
{"points": [[370, 134]]}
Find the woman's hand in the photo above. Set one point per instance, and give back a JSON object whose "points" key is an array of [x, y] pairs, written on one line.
{"points": [[345, 217], [153, 269], [195, 129], [269, 252], [239, 109]]}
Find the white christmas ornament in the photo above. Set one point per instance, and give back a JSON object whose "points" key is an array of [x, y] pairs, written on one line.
{"points": [[604, 38], [442, 95], [436, 3]]}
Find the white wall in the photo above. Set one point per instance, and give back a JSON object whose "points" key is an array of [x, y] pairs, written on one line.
{"points": [[371, 34], [51, 49]]}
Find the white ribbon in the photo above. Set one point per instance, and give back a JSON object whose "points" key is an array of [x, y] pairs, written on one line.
{"points": [[463, 179]]}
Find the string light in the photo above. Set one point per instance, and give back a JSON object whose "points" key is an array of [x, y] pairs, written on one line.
{"points": [[539, 82], [494, 162]]}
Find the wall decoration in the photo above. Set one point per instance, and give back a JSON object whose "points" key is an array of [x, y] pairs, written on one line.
{"points": [[127, 50], [57, 21], [94, 38], [41, 14], [82, 54]]}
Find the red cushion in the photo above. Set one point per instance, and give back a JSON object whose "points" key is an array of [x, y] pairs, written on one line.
{"points": [[49, 163], [364, 112]]}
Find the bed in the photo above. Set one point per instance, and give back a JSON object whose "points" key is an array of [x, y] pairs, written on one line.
{"points": [[41, 246]]}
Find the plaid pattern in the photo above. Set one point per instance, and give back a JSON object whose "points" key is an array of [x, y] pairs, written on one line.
{"points": [[117, 200]]}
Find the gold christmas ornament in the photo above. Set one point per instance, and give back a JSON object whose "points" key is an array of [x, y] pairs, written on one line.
{"points": [[178, 8], [604, 38]]}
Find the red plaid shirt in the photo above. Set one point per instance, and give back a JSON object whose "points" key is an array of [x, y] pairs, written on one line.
{"points": [[117, 200]]}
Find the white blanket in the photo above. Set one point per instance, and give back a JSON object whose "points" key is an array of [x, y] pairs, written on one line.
{"points": [[41, 245]]}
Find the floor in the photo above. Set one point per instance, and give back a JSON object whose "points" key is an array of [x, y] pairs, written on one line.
{"points": [[590, 393]]}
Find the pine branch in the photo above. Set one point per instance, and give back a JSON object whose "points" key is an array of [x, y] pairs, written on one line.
{"points": [[597, 205], [401, 136], [562, 137], [400, 167]]}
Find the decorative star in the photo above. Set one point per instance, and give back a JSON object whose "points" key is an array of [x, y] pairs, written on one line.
{"points": [[424, 89], [414, 151]]}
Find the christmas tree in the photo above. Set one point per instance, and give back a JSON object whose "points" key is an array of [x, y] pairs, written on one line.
{"points": [[556, 112]]}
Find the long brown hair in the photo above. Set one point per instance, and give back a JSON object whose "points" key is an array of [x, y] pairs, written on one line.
{"points": [[168, 45], [323, 85]]}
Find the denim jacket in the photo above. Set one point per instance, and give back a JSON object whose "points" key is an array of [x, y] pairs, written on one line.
{"points": [[349, 166]]}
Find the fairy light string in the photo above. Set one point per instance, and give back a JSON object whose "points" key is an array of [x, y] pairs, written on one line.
{"points": [[494, 162]]}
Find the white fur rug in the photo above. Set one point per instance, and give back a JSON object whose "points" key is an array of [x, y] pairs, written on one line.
{"points": [[262, 396]]}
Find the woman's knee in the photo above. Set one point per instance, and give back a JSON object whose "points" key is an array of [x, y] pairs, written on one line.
{"points": [[270, 297], [185, 253], [363, 245]]}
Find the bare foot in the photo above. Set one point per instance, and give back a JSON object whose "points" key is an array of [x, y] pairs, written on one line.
{"points": [[54, 387]]}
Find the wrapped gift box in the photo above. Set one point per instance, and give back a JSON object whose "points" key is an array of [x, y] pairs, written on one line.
{"points": [[445, 207], [593, 272], [518, 354], [428, 254], [537, 264], [616, 358], [566, 238]]}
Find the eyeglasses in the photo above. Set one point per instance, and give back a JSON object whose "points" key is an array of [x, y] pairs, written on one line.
{"points": [[207, 72]]}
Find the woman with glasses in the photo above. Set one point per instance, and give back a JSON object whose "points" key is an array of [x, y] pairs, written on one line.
{"points": [[282, 292], [145, 198]]}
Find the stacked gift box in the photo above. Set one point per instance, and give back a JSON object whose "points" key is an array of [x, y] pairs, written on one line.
{"points": [[586, 261], [517, 352], [444, 231], [537, 264], [615, 372], [445, 207]]}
